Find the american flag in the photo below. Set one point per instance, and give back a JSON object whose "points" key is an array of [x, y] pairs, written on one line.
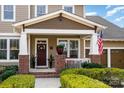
{"points": [[100, 43]]}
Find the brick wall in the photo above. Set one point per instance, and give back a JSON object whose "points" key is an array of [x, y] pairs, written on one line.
{"points": [[95, 58], [59, 63], [24, 64]]}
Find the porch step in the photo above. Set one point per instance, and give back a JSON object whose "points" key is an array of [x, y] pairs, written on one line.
{"points": [[45, 74]]}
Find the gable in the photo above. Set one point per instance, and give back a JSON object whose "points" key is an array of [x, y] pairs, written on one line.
{"points": [[55, 23]]}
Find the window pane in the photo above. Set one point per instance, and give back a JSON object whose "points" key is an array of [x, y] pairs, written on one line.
{"points": [[14, 54], [65, 44], [8, 12], [3, 54], [73, 45], [41, 10], [14, 44], [3, 44], [68, 9], [73, 49], [14, 48], [74, 53]]}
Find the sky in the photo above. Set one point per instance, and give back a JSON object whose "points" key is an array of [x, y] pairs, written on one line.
{"points": [[113, 13]]}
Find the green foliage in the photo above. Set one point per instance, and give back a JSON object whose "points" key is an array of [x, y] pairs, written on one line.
{"points": [[12, 67], [6, 74], [105, 75], [80, 81], [91, 65], [60, 46], [8, 71], [19, 81]]}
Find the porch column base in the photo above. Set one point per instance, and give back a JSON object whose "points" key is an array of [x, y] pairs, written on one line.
{"points": [[23, 64], [95, 59], [59, 63]]}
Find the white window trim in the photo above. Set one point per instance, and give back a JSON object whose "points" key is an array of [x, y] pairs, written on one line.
{"points": [[73, 8], [8, 20], [68, 39], [46, 39], [8, 50], [45, 11]]}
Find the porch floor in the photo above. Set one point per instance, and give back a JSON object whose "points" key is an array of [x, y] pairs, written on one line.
{"points": [[42, 70]]}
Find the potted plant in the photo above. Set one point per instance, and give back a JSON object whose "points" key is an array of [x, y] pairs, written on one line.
{"points": [[51, 60], [60, 49]]}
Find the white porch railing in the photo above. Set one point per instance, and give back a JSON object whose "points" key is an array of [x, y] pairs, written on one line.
{"points": [[75, 62]]}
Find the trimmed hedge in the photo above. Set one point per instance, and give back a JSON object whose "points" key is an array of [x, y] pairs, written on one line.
{"points": [[106, 75], [80, 81], [19, 81], [8, 71], [91, 65]]}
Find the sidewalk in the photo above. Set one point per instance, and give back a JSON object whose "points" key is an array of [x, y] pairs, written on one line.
{"points": [[47, 83]]}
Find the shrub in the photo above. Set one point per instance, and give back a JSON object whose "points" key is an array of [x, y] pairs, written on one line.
{"points": [[106, 75], [19, 81], [91, 65], [80, 81], [6, 74], [8, 71]]}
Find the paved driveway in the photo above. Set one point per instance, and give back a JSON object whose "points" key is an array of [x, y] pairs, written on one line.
{"points": [[47, 83]]}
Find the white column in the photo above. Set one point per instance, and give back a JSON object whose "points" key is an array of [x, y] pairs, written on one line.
{"points": [[94, 45], [109, 58], [23, 44]]}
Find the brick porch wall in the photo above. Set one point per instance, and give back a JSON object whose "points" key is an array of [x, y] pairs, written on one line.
{"points": [[59, 63], [95, 59], [24, 64]]}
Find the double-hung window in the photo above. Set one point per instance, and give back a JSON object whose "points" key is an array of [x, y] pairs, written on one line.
{"points": [[14, 48], [8, 13], [68, 8], [9, 49], [71, 47], [40, 10], [3, 49]]}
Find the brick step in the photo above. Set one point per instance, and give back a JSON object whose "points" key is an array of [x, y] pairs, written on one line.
{"points": [[45, 74]]}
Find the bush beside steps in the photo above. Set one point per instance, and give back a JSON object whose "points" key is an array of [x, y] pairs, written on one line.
{"points": [[113, 77], [80, 81], [19, 81]]}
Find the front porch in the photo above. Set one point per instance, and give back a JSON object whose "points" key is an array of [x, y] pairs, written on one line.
{"points": [[40, 36], [42, 44]]}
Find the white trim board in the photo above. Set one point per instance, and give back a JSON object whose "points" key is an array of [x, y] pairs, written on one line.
{"points": [[46, 39], [58, 32]]}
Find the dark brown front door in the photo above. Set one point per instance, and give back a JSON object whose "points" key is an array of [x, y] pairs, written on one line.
{"points": [[41, 53]]}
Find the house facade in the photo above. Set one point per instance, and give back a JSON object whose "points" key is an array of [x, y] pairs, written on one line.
{"points": [[28, 31]]}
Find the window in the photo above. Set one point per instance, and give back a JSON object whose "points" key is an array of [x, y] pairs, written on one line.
{"points": [[68, 8], [40, 10], [14, 48], [9, 49], [8, 13], [3, 49], [71, 47]]}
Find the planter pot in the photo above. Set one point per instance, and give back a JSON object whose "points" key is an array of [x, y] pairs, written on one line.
{"points": [[59, 50]]}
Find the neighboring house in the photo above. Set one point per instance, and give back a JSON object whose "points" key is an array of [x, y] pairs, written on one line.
{"points": [[37, 30]]}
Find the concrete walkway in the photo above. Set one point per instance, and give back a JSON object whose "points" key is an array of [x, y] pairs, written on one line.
{"points": [[47, 83]]}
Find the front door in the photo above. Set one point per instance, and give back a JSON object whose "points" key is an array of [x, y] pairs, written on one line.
{"points": [[41, 53]]}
